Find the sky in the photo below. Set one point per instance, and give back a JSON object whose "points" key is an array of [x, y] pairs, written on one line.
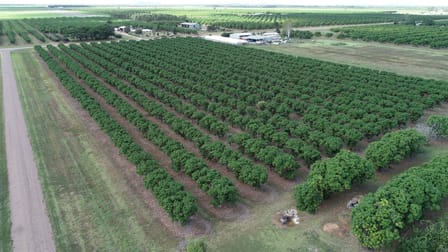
{"points": [[242, 2]]}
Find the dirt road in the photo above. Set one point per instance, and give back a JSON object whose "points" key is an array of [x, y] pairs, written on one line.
{"points": [[31, 229]]}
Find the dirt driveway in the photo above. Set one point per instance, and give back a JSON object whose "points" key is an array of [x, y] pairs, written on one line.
{"points": [[31, 229]]}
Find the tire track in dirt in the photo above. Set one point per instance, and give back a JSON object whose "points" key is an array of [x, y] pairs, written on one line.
{"points": [[31, 229]]}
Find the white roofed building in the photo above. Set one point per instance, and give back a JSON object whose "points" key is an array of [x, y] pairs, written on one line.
{"points": [[189, 25], [225, 40], [242, 35]]}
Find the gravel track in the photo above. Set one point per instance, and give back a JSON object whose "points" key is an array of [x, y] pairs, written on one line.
{"points": [[31, 229]]}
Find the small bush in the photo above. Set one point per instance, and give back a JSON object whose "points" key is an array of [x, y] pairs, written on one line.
{"points": [[432, 238], [394, 147], [439, 125], [196, 246], [332, 175]]}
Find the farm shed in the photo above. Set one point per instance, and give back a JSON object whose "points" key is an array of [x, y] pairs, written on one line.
{"points": [[188, 25], [121, 28], [225, 40], [243, 35], [273, 36], [257, 39]]}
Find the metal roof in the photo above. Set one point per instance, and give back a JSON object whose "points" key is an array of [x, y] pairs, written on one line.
{"points": [[232, 41], [256, 37]]}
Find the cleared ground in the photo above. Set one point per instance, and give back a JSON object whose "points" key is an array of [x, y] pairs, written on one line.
{"points": [[405, 60], [5, 228], [30, 228], [90, 195]]}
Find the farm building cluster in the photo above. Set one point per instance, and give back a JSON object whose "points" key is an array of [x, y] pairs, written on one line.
{"points": [[247, 38], [132, 29], [189, 25]]}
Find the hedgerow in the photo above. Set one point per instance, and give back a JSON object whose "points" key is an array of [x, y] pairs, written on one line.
{"points": [[379, 218]]}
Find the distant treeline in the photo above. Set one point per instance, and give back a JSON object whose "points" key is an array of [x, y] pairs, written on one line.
{"points": [[73, 28], [67, 6]]}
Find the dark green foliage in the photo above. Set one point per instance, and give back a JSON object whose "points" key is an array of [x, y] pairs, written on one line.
{"points": [[282, 163], [331, 175], [423, 35], [18, 28], [300, 34], [9, 31], [221, 191], [274, 20], [73, 28], [309, 195], [141, 18], [263, 100], [172, 197], [31, 30], [379, 218], [394, 147], [332, 145], [196, 246], [439, 125], [434, 237], [213, 150]]}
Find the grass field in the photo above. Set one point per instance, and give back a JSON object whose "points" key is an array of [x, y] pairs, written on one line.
{"points": [[19, 14], [90, 203], [37, 12], [5, 228], [404, 60]]}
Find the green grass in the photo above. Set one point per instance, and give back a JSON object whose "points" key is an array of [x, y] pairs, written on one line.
{"points": [[14, 12], [34, 11], [20, 14], [91, 205], [257, 232], [5, 227], [404, 60]]}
